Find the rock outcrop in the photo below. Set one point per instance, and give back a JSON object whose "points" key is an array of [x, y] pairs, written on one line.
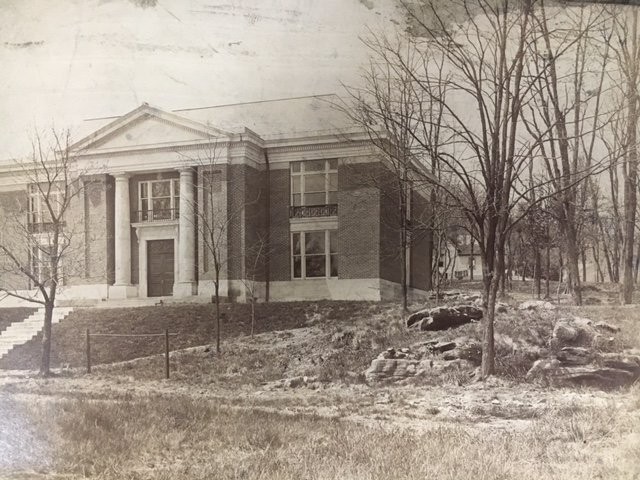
{"points": [[581, 367], [536, 305], [577, 360], [425, 359], [443, 318]]}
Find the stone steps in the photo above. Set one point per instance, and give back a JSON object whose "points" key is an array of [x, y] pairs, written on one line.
{"points": [[19, 333]]}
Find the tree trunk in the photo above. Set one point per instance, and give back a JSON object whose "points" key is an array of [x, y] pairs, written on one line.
{"points": [[471, 261], [537, 273], [583, 256], [631, 177], [253, 314], [573, 277], [547, 282], [45, 362], [491, 287], [217, 295], [596, 257]]}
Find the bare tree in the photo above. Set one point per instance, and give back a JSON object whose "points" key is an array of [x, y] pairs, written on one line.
{"points": [[39, 245], [385, 106], [216, 217], [566, 113], [628, 56]]}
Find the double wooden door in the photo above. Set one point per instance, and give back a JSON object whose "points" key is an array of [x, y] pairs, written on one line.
{"points": [[160, 268]]}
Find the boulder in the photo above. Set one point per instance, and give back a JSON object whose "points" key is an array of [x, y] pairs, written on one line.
{"points": [[564, 332], [443, 318], [382, 369], [621, 361], [414, 318], [575, 356], [575, 366], [471, 352], [607, 327], [536, 305], [573, 331]]}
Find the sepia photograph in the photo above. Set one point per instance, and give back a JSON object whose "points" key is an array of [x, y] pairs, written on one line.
{"points": [[319, 239]]}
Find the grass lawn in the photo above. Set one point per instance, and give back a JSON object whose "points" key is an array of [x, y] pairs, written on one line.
{"points": [[194, 324], [182, 438]]}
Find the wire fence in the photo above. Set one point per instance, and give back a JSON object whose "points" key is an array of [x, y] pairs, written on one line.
{"points": [[166, 336]]}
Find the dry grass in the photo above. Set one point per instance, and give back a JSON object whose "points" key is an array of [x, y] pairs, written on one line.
{"points": [[158, 438]]}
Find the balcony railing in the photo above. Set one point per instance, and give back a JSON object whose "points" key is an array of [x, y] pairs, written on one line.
{"points": [[157, 215], [310, 211]]}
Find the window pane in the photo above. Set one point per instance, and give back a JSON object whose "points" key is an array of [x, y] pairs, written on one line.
{"points": [[314, 242], [176, 187], [160, 189], [297, 200], [161, 204], [333, 181], [314, 166], [297, 267], [144, 204], [315, 199], [333, 197], [295, 166], [314, 183], [144, 190], [333, 241], [334, 265], [315, 266], [296, 244], [333, 164], [295, 184]]}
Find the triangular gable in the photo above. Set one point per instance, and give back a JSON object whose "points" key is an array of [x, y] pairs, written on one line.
{"points": [[147, 126]]}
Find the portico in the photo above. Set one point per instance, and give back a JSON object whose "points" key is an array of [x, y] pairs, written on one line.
{"points": [[163, 210]]}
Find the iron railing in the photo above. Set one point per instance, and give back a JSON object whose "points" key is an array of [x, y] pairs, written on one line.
{"points": [[157, 215], [310, 211]]}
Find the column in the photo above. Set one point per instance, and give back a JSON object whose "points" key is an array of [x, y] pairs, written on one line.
{"points": [[186, 284], [122, 287]]}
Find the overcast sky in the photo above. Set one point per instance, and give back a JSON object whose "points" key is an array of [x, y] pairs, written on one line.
{"points": [[67, 60]]}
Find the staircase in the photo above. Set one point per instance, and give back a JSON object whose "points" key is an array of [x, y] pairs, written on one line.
{"points": [[19, 333]]}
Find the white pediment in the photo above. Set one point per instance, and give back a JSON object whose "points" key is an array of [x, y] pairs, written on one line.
{"points": [[147, 131], [147, 127]]}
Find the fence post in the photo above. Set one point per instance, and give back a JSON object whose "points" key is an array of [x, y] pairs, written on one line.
{"points": [[88, 351], [166, 353]]}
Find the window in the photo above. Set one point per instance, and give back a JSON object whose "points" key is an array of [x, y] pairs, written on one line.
{"points": [[314, 182], [314, 254], [158, 200], [40, 258], [38, 210]]}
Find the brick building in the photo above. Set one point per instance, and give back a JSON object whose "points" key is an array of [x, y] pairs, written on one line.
{"points": [[296, 200]]}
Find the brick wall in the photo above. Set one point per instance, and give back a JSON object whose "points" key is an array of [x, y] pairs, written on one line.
{"points": [[390, 230], [236, 194], [420, 272], [212, 196], [255, 223], [280, 262], [13, 216], [92, 233], [358, 221]]}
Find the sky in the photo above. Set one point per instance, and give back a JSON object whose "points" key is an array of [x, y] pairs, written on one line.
{"points": [[68, 60]]}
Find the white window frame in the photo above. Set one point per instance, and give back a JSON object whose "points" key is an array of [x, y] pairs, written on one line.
{"points": [[301, 175], [175, 211], [37, 207], [302, 255]]}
